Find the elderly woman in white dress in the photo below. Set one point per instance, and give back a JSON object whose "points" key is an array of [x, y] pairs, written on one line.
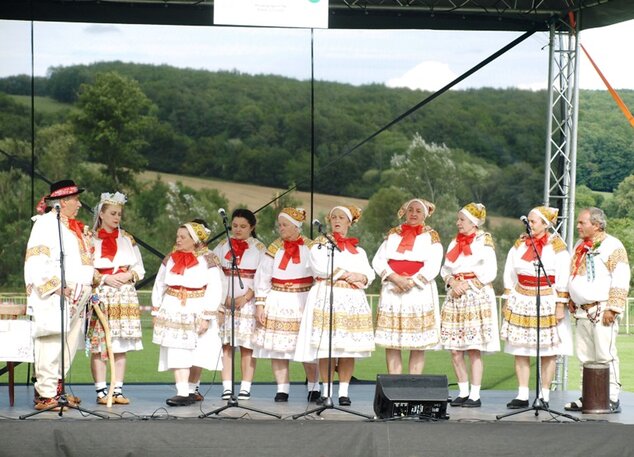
{"points": [[408, 261], [352, 335], [249, 252], [185, 299], [282, 283], [469, 323], [118, 266], [519, 325]]}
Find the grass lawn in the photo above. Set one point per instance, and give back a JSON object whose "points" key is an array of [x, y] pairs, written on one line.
{"points": [[499, 372]]}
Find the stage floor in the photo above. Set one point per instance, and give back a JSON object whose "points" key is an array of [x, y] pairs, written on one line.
{"points": [[148, 402]]}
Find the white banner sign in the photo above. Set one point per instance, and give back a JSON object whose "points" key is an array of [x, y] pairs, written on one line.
{"points": [[272, 13]]}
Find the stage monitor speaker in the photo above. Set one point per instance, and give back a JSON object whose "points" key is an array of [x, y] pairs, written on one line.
{"points": [[411, 395]]}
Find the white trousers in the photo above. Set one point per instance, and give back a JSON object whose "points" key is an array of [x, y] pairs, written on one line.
{"points": [[596, 343]]}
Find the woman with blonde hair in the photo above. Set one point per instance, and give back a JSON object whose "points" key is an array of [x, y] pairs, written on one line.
{"points": [[118, 266], [408, 262]]}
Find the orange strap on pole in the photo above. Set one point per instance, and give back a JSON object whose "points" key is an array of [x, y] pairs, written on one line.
{"points": [[615, 96]]}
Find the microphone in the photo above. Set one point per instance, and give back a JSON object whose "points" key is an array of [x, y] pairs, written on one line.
{"points": [[524, 219], [57, 206], [317, 224], [223, 214]]}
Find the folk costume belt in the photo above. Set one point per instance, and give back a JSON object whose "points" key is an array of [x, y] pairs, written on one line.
{"points": [[292, 285], [531, 281], [464, 276], [340, 283], [245, 273], [183, 293]]}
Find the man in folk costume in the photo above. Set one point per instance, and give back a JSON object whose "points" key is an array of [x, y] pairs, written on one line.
{"points": [[43, 278], [598, 287]]}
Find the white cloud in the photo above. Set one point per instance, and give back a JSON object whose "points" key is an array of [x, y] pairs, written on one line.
{"points": [[428, 75]]}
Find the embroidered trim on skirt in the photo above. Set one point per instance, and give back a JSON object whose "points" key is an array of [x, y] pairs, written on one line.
{"points": [[470, 321], [410, 320], [121, 309]]}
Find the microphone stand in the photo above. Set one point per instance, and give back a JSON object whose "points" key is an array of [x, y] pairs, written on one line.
{"points": [[538, 404], [328, 404], [62, 401], [232, 402]]}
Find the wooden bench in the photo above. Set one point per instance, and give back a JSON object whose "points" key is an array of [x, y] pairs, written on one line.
{"points": [[16, 344]]}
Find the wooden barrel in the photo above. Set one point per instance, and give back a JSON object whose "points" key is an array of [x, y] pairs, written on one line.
{"points": [[596, 388]]}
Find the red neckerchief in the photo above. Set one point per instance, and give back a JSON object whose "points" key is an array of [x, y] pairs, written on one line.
{"points": [[463, 246], [182, 261], [77, 228], [580, 255], [239, 246], [529, 255], [408, 237], [346, 244], [291, 252], [108, 243]]}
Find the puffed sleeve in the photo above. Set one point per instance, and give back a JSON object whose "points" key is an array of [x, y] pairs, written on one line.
{"points": [[619, 268], [262, 280], [363, 266], [41, 266], [488, 269], [138, 270], [158, 291], [379, 262], [213, 292], [562, 275], [319, 260], [510, 276], [430, 270]]}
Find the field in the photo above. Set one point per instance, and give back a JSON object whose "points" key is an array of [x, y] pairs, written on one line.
{"points": [[42, 104]]}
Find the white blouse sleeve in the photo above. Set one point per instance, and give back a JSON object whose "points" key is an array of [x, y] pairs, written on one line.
{"points": [[158, 291], [262, 280]]}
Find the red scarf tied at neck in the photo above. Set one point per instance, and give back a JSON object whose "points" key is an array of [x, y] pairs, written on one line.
{"points": [[346, 244], [463, 246], [77, 228], [239, 246], [108, 243], [182, 261], [291, 252], [408, 237], [580, 254], [529, 255]]}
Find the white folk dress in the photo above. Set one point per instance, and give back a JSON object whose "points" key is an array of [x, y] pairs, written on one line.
{"points": [[470, 322], [409, 320], [519, 324], [283, 293], [244, 318], [179, 302], [352, 334], [119, 305]]}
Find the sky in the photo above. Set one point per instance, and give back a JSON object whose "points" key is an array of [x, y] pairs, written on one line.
{"points": [[417, 59]]}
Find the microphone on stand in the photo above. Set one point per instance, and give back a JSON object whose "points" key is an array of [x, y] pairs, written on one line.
{"points": [[223, 214], [524, 219], [318, 224], [57, 206]]}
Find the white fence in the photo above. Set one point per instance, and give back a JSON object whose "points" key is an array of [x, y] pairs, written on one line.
{"points": [[145, 299]]}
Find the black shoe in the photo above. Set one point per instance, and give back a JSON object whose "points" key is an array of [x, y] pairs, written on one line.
{"points": [[615, 406], [345, 401], [469, 403], [574, 405], [313, 396], [226, 394], [321, 400], [281, 397], [178, 400], [517, 404], [244, 395], [458, 401], [544, 403]]}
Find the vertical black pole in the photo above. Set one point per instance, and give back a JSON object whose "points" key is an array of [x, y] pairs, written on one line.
{"points": [[312, 130]]}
